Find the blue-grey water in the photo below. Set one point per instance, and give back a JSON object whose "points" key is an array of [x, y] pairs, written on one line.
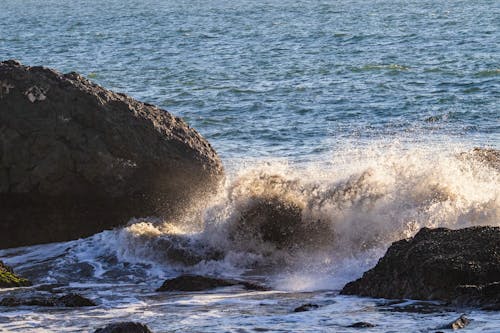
{"points": [[377, 94]]}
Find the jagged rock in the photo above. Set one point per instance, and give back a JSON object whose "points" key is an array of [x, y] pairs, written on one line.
{"points": [[306, 307], [189, 282], [124, 327], [361, 324], [76, 159], [69, 300], [458, 266], [9, 279], [458, 323]]}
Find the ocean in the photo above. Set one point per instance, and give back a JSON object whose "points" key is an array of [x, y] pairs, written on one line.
{"points": [[355, 111]]}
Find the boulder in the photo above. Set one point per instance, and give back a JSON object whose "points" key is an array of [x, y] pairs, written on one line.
{"points": [[124, 327], [69, 300], [76, 159], [8, 279], [457, 266], [190, 282]]}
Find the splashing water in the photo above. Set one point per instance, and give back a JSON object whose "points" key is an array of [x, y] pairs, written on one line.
{"points": [[329, 221]]}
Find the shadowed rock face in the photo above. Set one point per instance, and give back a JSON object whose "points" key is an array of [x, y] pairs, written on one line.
{"points": [[76, 158], [459, 266]]}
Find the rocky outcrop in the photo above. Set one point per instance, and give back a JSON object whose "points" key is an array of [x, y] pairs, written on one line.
{"points": [[69, 300], [458, 266], [189, 282], [8, 279], [124, 327], [76, 159]]}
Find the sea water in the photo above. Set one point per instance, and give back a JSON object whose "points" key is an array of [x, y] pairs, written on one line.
{"points": [[355, 111]]}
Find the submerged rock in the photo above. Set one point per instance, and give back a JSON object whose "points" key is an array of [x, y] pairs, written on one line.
{"points": [[76, 159], [306, 307], [458, 266], [8, 279], [361, 324], [69, 300], [124, 327], [458, 323], [189, 282]]}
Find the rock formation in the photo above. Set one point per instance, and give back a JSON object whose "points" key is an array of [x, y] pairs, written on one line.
{"points": [[458, 266], [69, 300], [8, 279], [76, 159]]}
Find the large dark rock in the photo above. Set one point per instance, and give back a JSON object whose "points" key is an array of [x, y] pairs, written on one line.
{"points": [[76, 159], [457, 266], [189, 282], [8, 279], [124, 327]]}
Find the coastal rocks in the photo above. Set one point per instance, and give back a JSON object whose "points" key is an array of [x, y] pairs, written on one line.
{"points": [[76, 159], [458, 266], [69, 300], [124, 327], [306, 307], [270, 210], [200, 283], [8, 279]]}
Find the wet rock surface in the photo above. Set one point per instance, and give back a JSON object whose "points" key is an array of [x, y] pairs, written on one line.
{"points": [[200, 283], [461, 267], [306, 307], [487, 156], [459, 323], [76, 159], [124, 327], [8, 279], [69, 300]]}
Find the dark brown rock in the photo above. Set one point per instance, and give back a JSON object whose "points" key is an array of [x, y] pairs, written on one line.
{"points": [[189, 282], [125, 327], [458, 266], [8, 279], [76, 159], [69, 300], [306, 307]]}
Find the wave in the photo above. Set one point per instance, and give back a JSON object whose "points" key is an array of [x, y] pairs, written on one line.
{"points": [[309, 226]]}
